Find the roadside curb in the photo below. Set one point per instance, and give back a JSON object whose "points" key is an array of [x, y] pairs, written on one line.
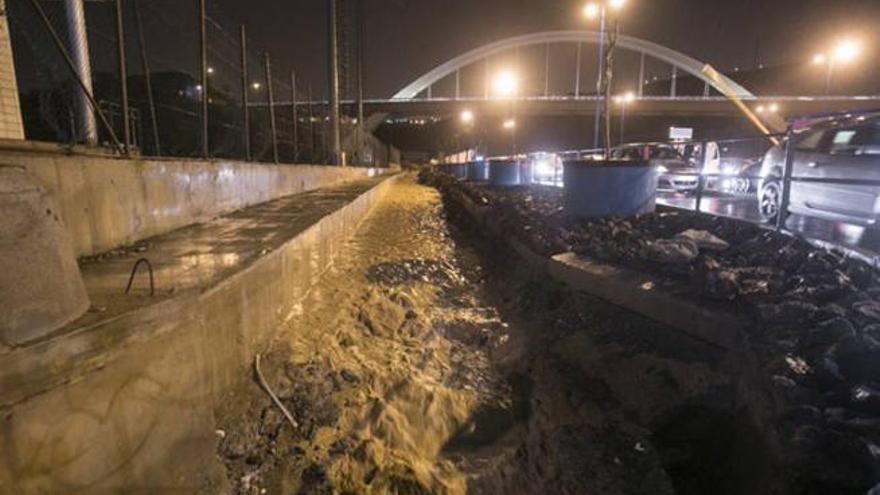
{"points": [[622, 287]]}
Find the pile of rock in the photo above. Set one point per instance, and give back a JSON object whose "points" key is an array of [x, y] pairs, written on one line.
{"points": [[816, 313]]}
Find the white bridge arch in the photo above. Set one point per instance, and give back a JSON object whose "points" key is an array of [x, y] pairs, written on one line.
{"points": [[690, 65]]}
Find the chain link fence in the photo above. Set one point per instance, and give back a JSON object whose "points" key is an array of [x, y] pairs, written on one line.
{"points": [[250, 110]]}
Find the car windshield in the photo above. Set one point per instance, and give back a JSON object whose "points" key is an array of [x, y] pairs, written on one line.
{"points": [[664, 153], [646, 152]]}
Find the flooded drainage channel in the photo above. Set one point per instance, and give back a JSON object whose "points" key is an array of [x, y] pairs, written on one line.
{"points": [[432, 361]]}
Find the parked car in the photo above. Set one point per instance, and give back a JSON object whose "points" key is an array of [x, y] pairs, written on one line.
{"points": [[676, 173], [836, 152]]}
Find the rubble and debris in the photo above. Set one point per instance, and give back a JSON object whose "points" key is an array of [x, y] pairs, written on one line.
{"points": [[815, 314]]}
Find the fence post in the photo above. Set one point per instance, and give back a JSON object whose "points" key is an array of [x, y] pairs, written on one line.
{"points": [[293, 103], [313, 140], [203, 44], [701, 180], [71, 65], [270, 99], [333, 65], [123, 78], [782, 215], [245, 87], [147, 79]]}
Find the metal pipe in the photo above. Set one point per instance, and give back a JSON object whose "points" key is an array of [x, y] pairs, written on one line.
{"points": [[333, 53], [701, 180], [788, 168], [245, 87], [86, 89], [203, 45], [123, 78], [147, 78], [293, 103], [79, 47], [270, 100]]}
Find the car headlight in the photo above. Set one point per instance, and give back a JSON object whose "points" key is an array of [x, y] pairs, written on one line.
{"points": [[662, 170]]}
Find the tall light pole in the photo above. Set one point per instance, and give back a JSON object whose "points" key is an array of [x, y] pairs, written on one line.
{"points": [[607, 43]]}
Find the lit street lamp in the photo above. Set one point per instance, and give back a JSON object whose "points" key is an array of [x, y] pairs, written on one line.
{"points": [[601, 10], [467, 117], [505, 84], [844, 52], [509, 124], [771, 108]]}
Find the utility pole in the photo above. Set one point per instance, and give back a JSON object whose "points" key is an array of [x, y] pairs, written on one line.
{"points": [[333, 53], [79, 52]]}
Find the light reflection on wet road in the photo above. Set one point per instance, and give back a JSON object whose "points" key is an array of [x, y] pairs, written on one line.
{"points": [[746, 208]]}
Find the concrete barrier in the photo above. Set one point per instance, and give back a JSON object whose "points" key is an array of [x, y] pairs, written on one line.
{"points": [[127, 405], [41, 288], [108, 201]]}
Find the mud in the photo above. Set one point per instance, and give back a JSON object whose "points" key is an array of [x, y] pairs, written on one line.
{"points": [[811, 365], [430, 359]]}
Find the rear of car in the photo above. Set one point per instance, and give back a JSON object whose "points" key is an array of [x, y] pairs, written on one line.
{"points": [[675, 172]]}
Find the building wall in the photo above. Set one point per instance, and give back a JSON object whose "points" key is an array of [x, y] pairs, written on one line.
{"points": [[10, 110], [107, 202]]}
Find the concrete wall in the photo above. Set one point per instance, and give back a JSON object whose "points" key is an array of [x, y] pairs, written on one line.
{"points": [[129, 405], [10, 110], [107, 202]]}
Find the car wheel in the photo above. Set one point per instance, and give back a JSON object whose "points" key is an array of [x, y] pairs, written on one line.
{"points": [[769, 201]]}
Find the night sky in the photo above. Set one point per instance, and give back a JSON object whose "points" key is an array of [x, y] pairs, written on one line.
{"points": [[406, 38]]}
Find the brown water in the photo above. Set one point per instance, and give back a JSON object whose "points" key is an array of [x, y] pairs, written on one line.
{"points": [[387, 362]]}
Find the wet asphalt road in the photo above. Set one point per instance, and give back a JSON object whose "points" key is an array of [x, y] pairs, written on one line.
{"points": [[746, 207]]}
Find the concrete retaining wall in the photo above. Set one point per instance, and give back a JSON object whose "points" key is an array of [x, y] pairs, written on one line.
{"points": [[128, 406], [107, 202]]}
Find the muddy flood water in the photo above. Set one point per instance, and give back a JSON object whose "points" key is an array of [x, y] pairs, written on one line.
{"points": [[429, 361]]}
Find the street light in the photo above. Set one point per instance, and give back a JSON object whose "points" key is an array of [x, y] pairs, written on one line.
{"points": [[256, 86], [844, 52], [505, 84], [467, 117], [509, 124], [602, 10]]}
